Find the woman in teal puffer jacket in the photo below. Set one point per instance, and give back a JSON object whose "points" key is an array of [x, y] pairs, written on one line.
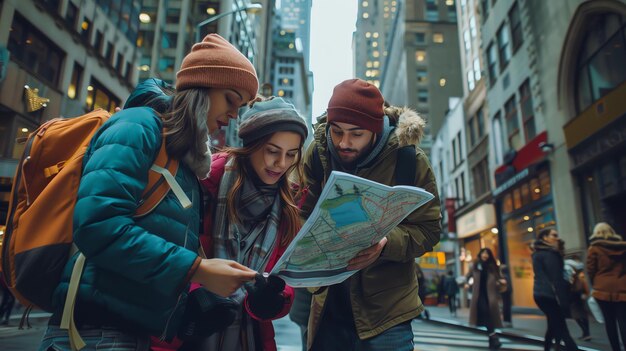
{"points": [[138, 269]]}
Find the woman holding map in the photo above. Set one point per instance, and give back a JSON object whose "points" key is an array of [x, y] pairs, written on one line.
{"points": [[253, 217]]}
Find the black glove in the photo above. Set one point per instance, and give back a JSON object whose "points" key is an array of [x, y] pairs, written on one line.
{"points": [[205, 314], [265, 297]]}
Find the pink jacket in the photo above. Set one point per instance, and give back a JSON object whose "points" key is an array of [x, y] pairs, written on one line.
{"points": [[266, 328], [211, 185]]}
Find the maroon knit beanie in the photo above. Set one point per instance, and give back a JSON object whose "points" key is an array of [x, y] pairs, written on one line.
{"points": [[357, 102], [216, 63]]}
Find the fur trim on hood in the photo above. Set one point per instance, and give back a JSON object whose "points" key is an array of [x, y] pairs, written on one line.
{"points": [[409, 124]]}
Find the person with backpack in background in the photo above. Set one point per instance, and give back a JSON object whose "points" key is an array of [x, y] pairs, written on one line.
{"points": [[137, 270], [373, 309], [253, 216], [550, 290], [574, 274], [606, 266], [451, 289]]}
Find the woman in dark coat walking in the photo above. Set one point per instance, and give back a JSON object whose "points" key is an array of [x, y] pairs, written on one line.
{"points": [[550, 290], [484, 308]]}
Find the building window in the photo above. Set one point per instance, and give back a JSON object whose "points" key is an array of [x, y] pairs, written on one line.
{"points": [[472, 24], [470, 80], [420, 56], [99, 42], [169, 40], [484, 8], [480, 173], [472, 131], [601, 59], [480, 123], [491, 62], [34, 51], [51, 5], [166, 64], [432, 10], [526, 104], [85, 30], [77, 74], [119, 63], [454, 154], [504, 49], [462, 199], [438, 38], [109, 54], [71, 16], [516, 27], [451, 10], [99, 97], [422, 75], [467, 41], [477, 73], [512, 124], [420, 38], [422, 96]]}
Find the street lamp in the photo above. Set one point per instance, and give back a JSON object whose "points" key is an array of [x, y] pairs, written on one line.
{"points": [[250, 8]]}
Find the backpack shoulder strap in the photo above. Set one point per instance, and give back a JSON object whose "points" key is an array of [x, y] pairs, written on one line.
{"points": [[316, 164], [406, 166], [160, 181]]}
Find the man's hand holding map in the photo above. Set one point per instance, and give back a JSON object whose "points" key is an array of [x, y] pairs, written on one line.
{"points": [[352, 214]]}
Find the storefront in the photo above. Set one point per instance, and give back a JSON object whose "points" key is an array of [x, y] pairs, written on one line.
{"points": [[524, 206], [596, 140], [476, 230]]}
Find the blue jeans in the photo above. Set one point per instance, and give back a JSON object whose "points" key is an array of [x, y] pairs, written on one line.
{"points": [[57, 339], [334, 336]]}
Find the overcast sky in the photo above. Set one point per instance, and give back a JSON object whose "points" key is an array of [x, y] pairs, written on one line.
{"points": [[332, 25]]}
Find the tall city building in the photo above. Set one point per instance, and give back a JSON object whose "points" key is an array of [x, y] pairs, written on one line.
{"points": [[422, 65], [370, 40], [554, 80], [290, 77], [476, 225], [60, 58]]}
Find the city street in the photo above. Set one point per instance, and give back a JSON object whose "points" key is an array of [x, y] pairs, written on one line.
{"points": [[432, 335]]}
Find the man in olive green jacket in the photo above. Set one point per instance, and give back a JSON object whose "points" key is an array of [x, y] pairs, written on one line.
{"points": [[373, 309]]}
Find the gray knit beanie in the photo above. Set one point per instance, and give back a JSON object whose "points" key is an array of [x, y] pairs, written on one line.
{"points": [[268, 117]]}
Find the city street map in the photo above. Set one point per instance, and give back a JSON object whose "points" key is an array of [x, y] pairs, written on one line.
{"points": [[351, 214]]}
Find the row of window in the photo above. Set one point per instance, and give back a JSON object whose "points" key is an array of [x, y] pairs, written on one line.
{"points": [[514, 139], [499, 54], [35, 53]]}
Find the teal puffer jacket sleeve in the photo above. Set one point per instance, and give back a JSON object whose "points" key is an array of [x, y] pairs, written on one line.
{"points": [[115, 174]]}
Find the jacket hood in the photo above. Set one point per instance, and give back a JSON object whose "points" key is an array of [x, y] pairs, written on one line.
{"points": [[409, 125], [611, 247]]}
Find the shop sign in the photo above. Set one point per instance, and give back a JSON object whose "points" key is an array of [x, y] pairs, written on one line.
{"points": [[603, 142], [483, 217], [512, 181]]}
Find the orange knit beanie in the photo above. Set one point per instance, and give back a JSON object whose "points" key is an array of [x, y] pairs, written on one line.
{"points": [[216, 63]]}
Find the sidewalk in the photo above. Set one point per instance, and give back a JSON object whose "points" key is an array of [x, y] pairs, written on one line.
{"points": [[528, 326]]}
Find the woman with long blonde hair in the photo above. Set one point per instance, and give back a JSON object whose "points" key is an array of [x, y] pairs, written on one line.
{"points": [[606, 267]]}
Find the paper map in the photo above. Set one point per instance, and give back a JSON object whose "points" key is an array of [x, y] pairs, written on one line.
{"points": [[351, 214]]}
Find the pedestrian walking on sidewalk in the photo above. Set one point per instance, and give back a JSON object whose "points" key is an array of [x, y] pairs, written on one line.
{"points": [[451, 289], [485, 304], [550, 290], [606, 266], [507, 297], [373, 309]]}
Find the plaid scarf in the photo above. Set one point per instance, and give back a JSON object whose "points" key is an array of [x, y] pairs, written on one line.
{"points": [[250, 243]]}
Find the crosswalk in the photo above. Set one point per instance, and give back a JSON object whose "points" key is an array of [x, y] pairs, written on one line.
{"points": [[436, 337]]}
